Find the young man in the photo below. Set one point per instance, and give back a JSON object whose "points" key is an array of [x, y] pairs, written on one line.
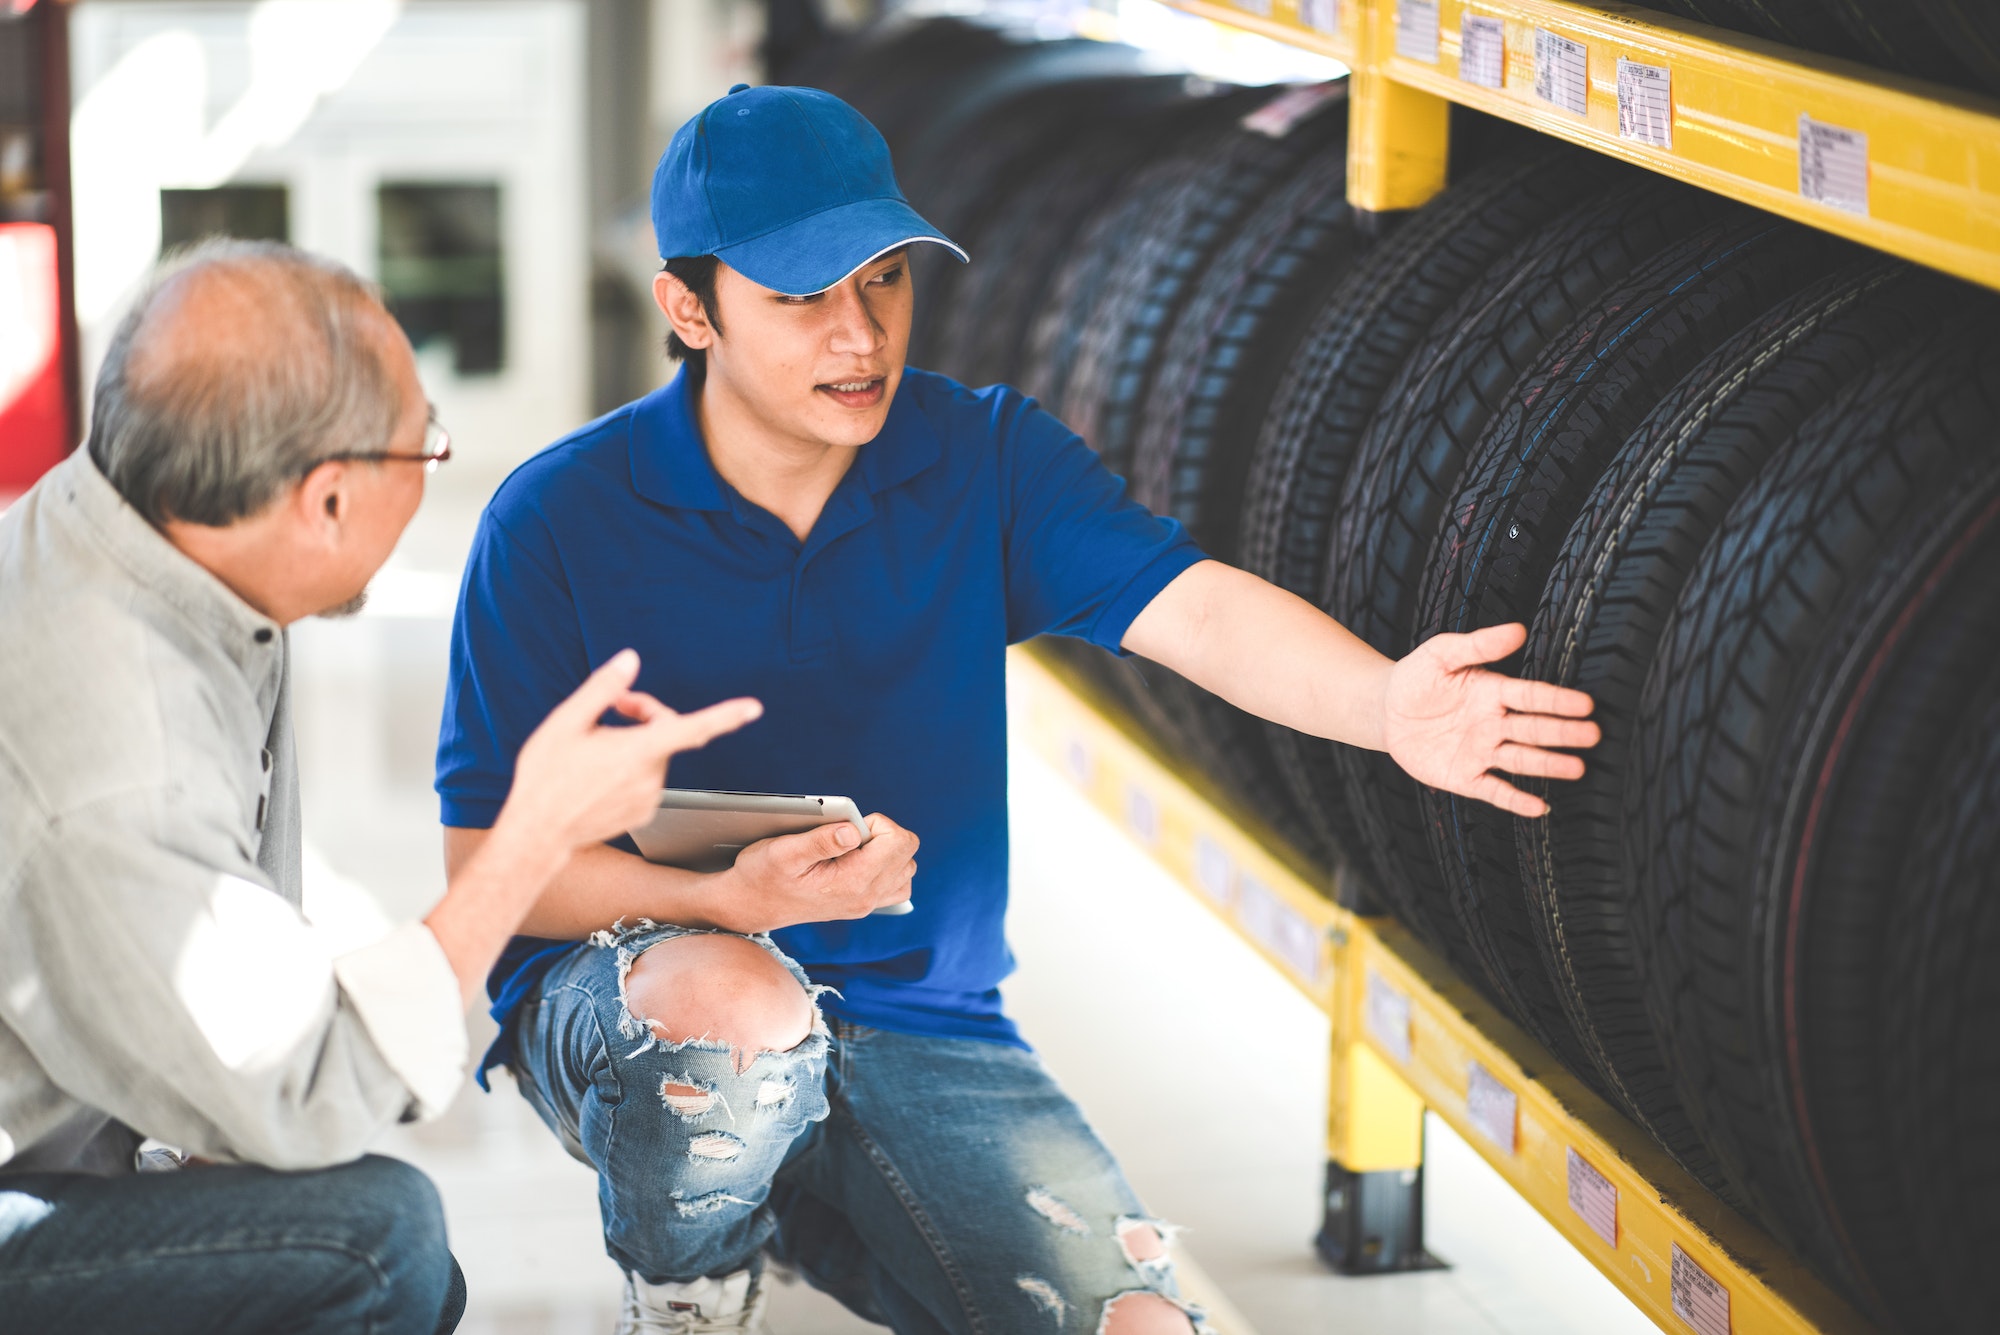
{"points": [[858, 543], [258, 443]]}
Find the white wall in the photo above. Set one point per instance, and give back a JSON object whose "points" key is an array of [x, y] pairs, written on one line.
{"points": [[331, 97]]}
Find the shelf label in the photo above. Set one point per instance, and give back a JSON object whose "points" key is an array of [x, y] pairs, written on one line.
{"points": [[1278, 927], [1261, 8], [1833, 165], [1387, 1015], [1593, 1197], [1417, 30], [1482, 51], [1645, 103], [1698, 1299], [1320, 15], [1562, 72], [1142, 815], [1213, 870], [1493, 1107], [1082, 768]]}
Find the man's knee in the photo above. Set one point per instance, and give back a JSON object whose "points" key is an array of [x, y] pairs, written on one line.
{"points": [[1145, 1314], [402, 1272], [721, 988]]}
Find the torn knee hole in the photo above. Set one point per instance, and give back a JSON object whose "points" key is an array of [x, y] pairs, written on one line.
{"points": [[688, 1098], [1146, 1313], [716, 1146], [1057, 1211], [1141, 1241]]}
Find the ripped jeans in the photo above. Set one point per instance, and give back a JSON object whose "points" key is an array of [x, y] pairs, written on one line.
{"points": [[940, 1186]]}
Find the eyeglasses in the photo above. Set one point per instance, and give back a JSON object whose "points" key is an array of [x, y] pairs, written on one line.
{"points": [[437, 449]]}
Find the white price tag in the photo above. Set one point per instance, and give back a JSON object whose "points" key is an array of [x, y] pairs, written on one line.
{"points": [[1142, 815], [1593, 1197], [1493, 1107], [1261, 8], [1213, 870], [1387, 1015], [1417, 30], [1833, 165], [1645, 103], [1320, 15], [1698, 1299], [1562, 72], [1482, 51], [1282, 929]]}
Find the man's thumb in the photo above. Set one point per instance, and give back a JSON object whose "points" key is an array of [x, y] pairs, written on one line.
{"points": [[601, 689]]}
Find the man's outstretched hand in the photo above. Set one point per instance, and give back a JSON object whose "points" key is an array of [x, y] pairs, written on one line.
{"points": [[1452, 723]]}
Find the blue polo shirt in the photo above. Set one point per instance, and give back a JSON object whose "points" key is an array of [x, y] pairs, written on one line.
{"points": [[973, 521]]}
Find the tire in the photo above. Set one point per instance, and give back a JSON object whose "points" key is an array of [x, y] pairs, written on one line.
{"points": [[1526, 479], [1334, 384], [1159, 265], [1603, 608], [1407, 466], [1027, 237], [1938, 1026], [1782, 753], [1213, 383]]}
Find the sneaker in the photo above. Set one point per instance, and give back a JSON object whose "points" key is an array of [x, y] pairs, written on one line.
{"points": [[698, 1307]]}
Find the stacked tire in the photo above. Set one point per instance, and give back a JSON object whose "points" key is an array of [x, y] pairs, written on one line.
{"points": [[1740, 481]]}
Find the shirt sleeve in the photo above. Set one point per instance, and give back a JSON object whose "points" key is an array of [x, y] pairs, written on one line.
{"points": [[1083, 558], [516, 653], [174, 990]]}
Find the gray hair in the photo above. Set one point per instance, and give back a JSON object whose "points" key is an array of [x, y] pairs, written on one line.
{"points": [[210, 421]]}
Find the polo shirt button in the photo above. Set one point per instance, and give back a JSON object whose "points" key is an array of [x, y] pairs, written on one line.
{"points": [[263, 635]]}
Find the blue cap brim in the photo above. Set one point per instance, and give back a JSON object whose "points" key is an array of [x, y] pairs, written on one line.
{"points": [[821, 249]]}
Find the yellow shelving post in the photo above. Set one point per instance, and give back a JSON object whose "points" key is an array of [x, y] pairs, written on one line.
{"points": [[1398, 137]]}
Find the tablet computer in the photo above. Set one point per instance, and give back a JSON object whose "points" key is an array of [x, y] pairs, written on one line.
{"points": [[704, 829]]}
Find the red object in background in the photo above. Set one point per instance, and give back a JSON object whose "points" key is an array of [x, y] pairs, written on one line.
{"points": [[34, 400]]}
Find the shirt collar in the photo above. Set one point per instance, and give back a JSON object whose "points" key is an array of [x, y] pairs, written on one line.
{"points": [[670, 464], [253, 641]]}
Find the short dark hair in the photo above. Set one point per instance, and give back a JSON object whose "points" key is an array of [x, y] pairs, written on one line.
{"points": [[698, 273]]}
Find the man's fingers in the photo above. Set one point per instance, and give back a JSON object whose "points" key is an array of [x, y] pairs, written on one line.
{"points": [[795, 853], [639, 707], [600, 691], [1543, 730], [1493, 789], [691, 732], [1543, 697], [1480, 646], [1533, 761]]}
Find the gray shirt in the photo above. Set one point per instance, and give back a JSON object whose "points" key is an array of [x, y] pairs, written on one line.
{"points": [[156, 975]]}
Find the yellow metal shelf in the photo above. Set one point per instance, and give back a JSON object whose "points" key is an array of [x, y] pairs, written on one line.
{"points": [[1408, 1035], [1908, 167]]}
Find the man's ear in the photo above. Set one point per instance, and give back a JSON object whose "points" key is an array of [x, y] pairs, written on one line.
{"points": [[321, 500], [683, 310]]}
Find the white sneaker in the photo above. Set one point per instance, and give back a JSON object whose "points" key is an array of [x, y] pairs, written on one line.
{"points": [[697, 1307]]}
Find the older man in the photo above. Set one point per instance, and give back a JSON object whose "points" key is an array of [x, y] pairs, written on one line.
{"points": [[259, 442]]}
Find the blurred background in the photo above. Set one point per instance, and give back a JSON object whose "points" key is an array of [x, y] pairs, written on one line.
{"points": [[487, 162]]}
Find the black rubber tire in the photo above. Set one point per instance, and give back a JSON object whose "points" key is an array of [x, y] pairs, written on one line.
{"points": [[1213, 383], [1970, 29], [1782, 753], [1559, 428], [1334, 384], [1023, 243], [1938, 1055], [895, 73], [1603, 608], [1407, 466], [1159, 264]]}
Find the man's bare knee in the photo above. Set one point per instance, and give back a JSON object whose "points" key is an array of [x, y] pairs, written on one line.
{"points": [[721, 988], [1145, 1314]]}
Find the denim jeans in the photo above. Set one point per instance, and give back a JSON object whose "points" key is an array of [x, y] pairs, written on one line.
{"points": [[228, 1250], [940, 1186]]}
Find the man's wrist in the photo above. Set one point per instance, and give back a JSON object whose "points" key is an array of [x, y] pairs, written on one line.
{"points": [[525, 848]]}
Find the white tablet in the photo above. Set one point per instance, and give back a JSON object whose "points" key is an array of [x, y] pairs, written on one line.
{"points": [[704, 830]]}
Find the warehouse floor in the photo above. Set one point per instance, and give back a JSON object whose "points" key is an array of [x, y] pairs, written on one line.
{"points": [[1201, 1068]]}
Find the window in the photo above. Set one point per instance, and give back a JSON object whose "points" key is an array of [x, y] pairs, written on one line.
{"points": [[248, 212], [441, 269]]}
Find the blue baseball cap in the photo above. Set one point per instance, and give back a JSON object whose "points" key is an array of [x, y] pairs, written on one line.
{"points": [[790, 187]]}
